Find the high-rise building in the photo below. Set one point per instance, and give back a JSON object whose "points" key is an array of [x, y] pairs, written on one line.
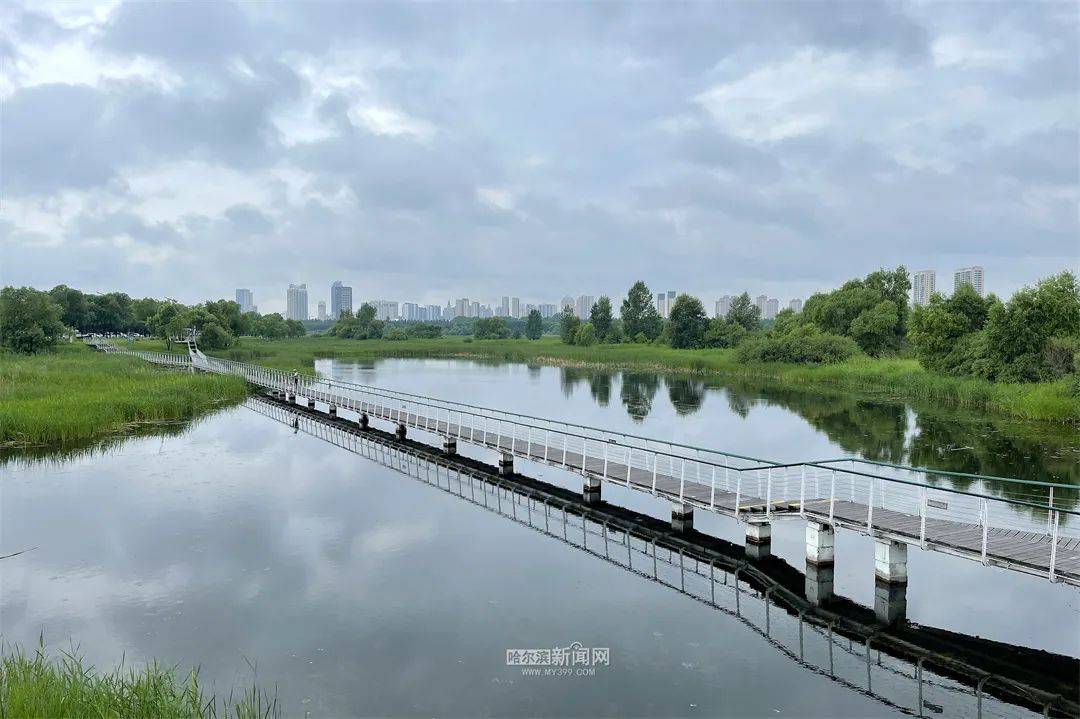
{"points": [[548, 310], [515, 307], [410, 311], [772, 308], [723, 306], [340, 299], [583, 307], [321, 313], [504, 307], [670, 302], [969, 276], [246, 300], [433, 313], [795, 305], [461, 307], [474, 309], [661, 304], [923, 285], [386, 311], [761, 302], [296, 302], [567, 301]]}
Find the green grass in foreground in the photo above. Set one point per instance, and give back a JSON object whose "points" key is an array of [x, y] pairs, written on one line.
{"points": [[40, 686], [890, 377], [75, 394]]}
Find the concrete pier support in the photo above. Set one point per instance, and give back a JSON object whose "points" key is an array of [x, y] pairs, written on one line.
{"points": [[682, 517], [820, 543], [333, 412], [310, 403], [401, 431], [590, 490], [890, 561], [890, 602], [292, 398], [506, 464], [758, 538], [449, 445], [364, 421], [819, 583]]}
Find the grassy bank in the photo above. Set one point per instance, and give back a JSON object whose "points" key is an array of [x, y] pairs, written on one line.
{"points": [[37, 685], [75, 394], [894, 378]]}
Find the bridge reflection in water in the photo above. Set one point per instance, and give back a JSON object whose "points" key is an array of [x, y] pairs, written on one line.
{"points": [[919, 671]]}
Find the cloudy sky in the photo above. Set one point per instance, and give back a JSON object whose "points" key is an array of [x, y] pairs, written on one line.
{"points": [[429, 151]]}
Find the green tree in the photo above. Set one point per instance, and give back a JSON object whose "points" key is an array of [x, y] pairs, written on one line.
{"points": [[568, 325], [943, 333], [585, 335], [687, 323], [74, 307], [1019, 332], [639, 315], [491, 328], [215, 337], [534, 325], [722, 333], [836, 312], [168, 322], [600, 317], [29, 320], [874, 330], [294, 329], [744, 312]]}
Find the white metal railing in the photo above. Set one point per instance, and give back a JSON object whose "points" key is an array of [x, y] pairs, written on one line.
{"points": [[905, 503]]}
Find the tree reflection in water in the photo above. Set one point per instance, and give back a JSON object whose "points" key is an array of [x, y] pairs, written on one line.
{"points": [[637, 392], [686, 393]]}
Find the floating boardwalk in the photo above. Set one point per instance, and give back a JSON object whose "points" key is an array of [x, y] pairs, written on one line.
{"points": [[916, 670], [1021, 525]]}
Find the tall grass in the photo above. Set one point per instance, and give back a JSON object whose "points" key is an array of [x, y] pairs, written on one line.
{"points": [[37, 685], [75, 394], [898, 378]]}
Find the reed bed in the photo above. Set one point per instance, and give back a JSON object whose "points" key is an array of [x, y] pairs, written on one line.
{"points": [[75, 394], [39, 685]]}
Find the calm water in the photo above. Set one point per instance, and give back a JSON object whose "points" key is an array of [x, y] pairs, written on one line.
{"points": [[359, 591]]}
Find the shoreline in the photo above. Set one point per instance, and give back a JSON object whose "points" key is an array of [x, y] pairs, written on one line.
{"points": [[895, 378]]}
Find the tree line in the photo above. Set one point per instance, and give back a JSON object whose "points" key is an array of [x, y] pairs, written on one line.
{"points": [[34, 320], [1032, 337]]}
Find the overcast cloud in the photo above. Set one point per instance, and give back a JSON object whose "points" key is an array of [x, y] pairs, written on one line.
{"points": [[428, 151]]}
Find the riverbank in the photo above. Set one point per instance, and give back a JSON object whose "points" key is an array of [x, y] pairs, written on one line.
{"points": [[38, 685], [75, 394], [902, 379]]}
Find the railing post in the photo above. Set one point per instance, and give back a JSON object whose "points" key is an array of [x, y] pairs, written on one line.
{"points": [[768, 493], [712, 490], [1053, 545], [1050, 510], [738, 494], [870, 508], [832, 495], [547, 444], [605, 459], [985, 523], [682, 480], [922, 517], [802, 492], [655, 462]]}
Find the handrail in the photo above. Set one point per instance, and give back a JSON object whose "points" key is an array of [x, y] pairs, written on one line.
{"points": [[944, 472]]}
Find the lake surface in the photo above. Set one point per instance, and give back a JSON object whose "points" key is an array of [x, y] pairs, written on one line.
{"points": [[356, 590]]}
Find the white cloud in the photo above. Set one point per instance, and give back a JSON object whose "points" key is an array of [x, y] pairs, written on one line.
{"points": [[807, 93], [383, 120]]}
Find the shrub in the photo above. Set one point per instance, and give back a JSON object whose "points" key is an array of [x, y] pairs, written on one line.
{"points": [[722, 333], [805, 345], [215, 337], [585, 335], [641, 339], [395, 334]]}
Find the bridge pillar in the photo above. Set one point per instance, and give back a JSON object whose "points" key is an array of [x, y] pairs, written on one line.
{"points": [[682, 517], [758, 538], [449, 445], [363, 421], [890, 561], [820, 543], [890, 601], [332, 412], [310, 403], [292, 398], [401, 431], [590, 490], [506, 464], [819, 583]]}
